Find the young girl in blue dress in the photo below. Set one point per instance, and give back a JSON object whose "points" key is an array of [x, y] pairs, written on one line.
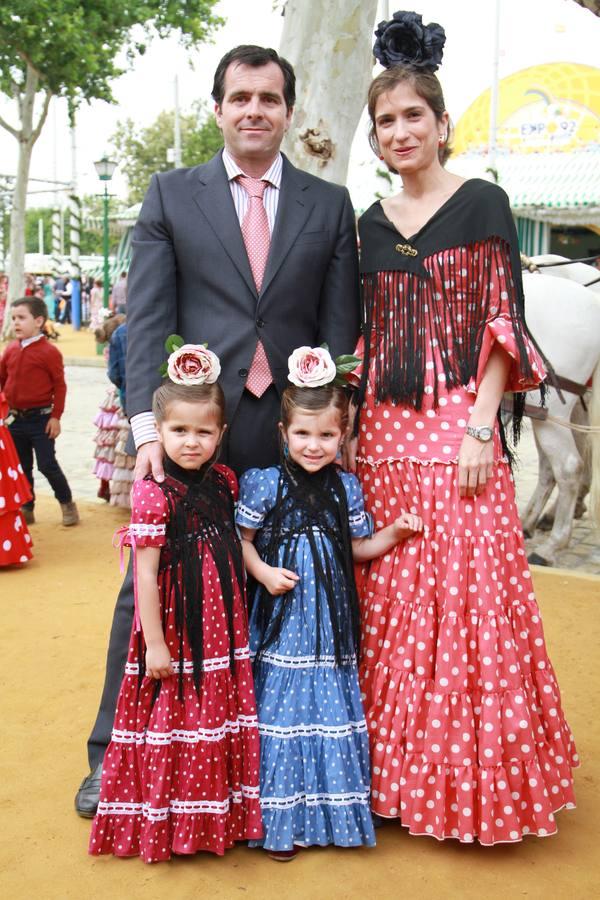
{"points": [[302, 524]]}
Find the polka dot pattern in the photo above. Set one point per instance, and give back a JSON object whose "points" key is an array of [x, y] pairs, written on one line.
{"points": [[181, 775], [468, 738], [15, 540], [314, 744]]}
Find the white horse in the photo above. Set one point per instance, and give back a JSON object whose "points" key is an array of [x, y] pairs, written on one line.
{"points": [[564, 317]]}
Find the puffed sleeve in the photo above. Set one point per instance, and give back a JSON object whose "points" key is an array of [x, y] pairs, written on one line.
{"points": [[258, 493], [361, 523], [499, 328], [149, 514]]}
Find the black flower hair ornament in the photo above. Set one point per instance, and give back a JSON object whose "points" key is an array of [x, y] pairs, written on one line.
{"points": [[405, 41]]}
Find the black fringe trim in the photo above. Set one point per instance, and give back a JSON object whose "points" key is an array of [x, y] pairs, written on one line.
{"points": [[403, 312], [200, 526], [314, 506]]}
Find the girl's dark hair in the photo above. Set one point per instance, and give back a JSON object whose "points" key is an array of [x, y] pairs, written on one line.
{"points": [[314, 400], [425, 84], [35, 305], [169, 393], [252, 55]]}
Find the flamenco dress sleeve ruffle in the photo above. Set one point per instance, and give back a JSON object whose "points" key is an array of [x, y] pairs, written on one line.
{"points": [[499, 329]]}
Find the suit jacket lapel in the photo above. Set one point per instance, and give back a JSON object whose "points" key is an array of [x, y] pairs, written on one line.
{"points": [[213, 196], [293, 209]]}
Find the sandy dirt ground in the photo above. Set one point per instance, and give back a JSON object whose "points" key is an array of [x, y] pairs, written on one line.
{"points": [[56, 613]]}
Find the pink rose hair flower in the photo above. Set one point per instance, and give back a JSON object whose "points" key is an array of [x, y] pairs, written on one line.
{"points": [[315, 367], [193, 364], [311, 367]]}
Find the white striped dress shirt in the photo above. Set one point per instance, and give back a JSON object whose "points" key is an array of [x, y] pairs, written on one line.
{"points": [[143, 425]]}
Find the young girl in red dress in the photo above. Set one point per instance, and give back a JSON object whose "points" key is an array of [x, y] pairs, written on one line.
{"points": [[181, 771], [15, 541]]}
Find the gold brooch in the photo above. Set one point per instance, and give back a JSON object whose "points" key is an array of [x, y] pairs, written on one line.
{"points": [[406, 250]]}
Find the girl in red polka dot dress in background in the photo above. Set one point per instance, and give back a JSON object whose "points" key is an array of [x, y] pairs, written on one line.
{"points": [[15, 540], [181, 771]]}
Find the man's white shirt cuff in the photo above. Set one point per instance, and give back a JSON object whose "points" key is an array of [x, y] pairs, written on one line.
{"points": [[143, 428]]}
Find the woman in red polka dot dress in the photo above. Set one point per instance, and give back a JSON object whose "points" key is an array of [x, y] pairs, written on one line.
{"points": [[15, 540], [468, 738], [181, 771]]}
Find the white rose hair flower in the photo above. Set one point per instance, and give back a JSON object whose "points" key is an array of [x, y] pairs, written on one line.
{"points": [[190, 363], [315, 367], [311, 367]]}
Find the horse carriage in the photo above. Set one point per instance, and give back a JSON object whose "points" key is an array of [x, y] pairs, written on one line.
{"points": [[562, 305]]}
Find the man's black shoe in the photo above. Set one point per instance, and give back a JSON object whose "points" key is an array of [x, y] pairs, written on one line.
{"points": [[88, 795]]}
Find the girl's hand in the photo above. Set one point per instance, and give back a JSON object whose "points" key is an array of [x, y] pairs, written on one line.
{"points": [[407, 524], [475, 465], [158, 661], [278, 581]]}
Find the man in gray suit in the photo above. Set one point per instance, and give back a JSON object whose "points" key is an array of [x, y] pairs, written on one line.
{"points": [[193, 274]]}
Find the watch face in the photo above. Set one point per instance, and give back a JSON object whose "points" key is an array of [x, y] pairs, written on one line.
{"points": [[485, 433]]}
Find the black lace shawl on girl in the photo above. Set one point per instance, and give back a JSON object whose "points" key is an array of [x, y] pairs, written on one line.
{"points": [[200, 521], [477, 217], [313, 506]]}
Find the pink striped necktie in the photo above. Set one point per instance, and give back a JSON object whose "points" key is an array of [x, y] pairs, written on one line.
{"points": [[257, 238]]}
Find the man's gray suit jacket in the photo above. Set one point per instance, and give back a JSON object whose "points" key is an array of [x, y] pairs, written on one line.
{"points": [[190, 276]]}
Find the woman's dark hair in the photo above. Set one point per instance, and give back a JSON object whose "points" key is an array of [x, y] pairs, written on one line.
{"points": [[314, 400], [425, 84], [35, 305], [169, 393], [252, 55]]}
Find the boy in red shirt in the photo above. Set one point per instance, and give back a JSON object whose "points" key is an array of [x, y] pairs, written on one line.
{"points": [[33, 380]]}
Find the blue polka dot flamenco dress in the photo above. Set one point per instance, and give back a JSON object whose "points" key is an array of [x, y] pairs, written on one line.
{"points": [[314, 765]]}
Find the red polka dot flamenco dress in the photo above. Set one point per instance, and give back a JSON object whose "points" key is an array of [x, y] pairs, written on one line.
{"points": [[181, 771], [15, 540], [468, 738]]}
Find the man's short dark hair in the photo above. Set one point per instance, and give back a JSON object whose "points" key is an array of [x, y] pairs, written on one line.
{"points": [[35, 305], [251, 55]]}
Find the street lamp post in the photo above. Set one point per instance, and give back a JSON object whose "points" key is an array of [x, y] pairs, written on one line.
{"points": [[105, 169]]}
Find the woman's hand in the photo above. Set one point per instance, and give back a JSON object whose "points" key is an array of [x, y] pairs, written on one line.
{"points": [[277, 580], [475, 465], [158, 661], [407, 524]]}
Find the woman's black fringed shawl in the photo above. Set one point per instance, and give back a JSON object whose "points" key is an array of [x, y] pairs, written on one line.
{"points": [[314, 506], [200, 521], [476, 222]]}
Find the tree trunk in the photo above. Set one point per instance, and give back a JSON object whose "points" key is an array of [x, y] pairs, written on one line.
{"points": [[27, 135], [329, 43]]}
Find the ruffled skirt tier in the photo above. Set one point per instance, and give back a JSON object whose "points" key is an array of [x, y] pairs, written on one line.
{"points": [[468, 738], [180, 775], [314, 750]]}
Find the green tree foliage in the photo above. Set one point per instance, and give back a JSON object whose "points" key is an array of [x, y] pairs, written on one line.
{"points": [[91, 231], [74, 46], [32, 218], [71, 49], [143, 151]]}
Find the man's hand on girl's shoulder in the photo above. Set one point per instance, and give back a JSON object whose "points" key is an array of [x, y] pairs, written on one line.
{"points": [[149, 460]]}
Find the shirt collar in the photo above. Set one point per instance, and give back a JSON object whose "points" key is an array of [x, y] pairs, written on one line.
{"points": [[272, 175], [27, 341]]}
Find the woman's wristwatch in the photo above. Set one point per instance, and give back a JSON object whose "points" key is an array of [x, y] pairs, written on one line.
{"points": [[483, 433]]}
